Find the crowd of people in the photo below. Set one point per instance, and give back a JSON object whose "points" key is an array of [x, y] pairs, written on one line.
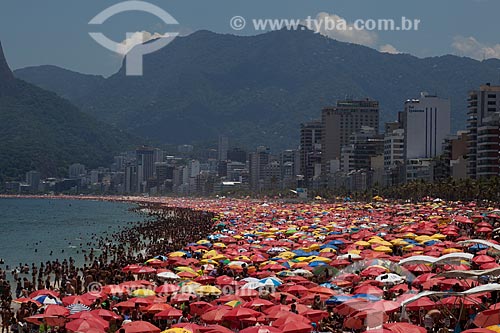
{"points": [[298, 257]]}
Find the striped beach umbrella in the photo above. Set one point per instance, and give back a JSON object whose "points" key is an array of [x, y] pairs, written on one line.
{"points": [[77, 307]]}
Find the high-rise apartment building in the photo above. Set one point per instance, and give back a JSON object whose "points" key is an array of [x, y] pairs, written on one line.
{"points": [[482, 104], [310, 150], [340, 122], [426, 123]]}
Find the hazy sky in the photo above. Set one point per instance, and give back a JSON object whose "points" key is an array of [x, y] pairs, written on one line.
{"points": [[36, 32]]}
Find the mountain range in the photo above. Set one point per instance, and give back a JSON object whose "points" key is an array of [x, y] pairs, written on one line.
{"points": [[258, 89], [41, 131]]}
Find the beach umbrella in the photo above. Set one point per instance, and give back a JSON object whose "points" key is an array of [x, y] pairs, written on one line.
{"points": [[478, 330], [56, 310], [389, 278], [215, 329], [114, 289], [423, 303], [483, 259], [297, 289], [184, 297], [290, 318], [200, 307], [247, 293], [169, 314], [84, 324], [47, 300], [216, 315], [191, 327], [494, 328], [253, 285], [271, 281], [350, 306], [365, 318], [383, 306], [455, 301], [168, 275], [258, 303], [205, 279], [143, 293], [315, 315], [487, 318], [24, 300], [240, 313], [39, 319], [143, 270], [44, 292], [140, 327], [189, 288], [261, 329], [296, 327], [105, 314], [370, 290], [177, 330], [158, 307], [322, 290], [208, 290], [404, 327], [78, 307], [125, 304], [233, 303]]}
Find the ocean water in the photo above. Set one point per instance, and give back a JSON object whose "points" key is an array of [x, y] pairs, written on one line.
{"points": [[31, 228]]}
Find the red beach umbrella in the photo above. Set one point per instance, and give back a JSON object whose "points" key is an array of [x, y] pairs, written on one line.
{"points": [[140, 327], [168, 314], [404, 328], [487, 318], [56, 310]]}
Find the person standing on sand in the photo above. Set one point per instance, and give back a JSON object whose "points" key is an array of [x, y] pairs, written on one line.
{"points": [[6, 319]]}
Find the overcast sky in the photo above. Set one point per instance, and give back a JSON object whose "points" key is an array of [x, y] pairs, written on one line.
{"points": [[38, 32]]}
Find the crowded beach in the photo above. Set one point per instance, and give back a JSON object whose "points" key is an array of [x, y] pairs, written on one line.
{"points": [[227, 265]]}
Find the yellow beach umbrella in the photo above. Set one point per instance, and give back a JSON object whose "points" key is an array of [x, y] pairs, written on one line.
{"points": [[323, 259], [423, 239], [210, 254], [177, 254], [208, 290], [233, 304], [286, 255], [208, 261], [362, 243], [185, 269], [438, 236], [399, 242], [176, 330], [219, 257], [143, 293], [494, 328], [451, 250], [384, 249]]}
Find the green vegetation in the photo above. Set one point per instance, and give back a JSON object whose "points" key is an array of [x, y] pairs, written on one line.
{"points": [[41, 131], [487, 189]]}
